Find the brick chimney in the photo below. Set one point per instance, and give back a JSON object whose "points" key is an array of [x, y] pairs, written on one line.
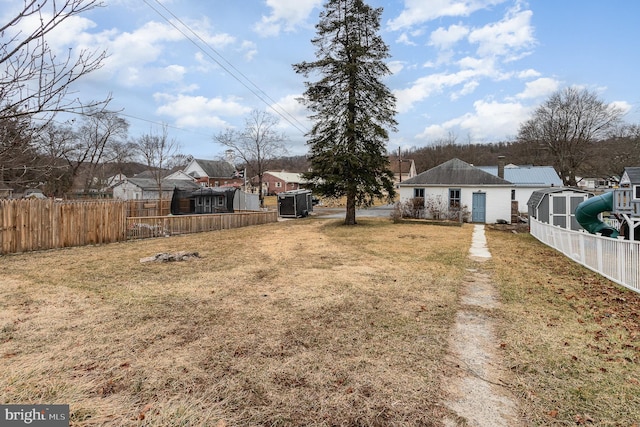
{"points": [[501, 167]]}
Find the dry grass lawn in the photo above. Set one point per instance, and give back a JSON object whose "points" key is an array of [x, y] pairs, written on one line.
{"points": [[570, 337], [307, 322], [303, 322]]}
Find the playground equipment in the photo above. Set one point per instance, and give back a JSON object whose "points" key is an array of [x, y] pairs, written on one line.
{"points": [[623, 203], [588, 215]]}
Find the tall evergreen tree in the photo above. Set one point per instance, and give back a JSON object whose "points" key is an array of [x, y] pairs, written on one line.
{"points": [[351, 107]]}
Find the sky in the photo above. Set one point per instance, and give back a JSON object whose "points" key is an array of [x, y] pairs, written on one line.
{"points": [[465, 70]]}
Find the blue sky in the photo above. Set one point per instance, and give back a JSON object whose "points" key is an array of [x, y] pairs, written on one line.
{"points": [[472, 70]]}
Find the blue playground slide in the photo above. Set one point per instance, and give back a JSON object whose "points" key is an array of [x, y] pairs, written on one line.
{"points": [[587, 215]]}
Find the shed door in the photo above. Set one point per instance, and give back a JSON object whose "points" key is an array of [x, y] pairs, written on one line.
{"points": [[478, 207]]}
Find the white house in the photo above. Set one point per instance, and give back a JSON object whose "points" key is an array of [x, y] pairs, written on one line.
{"points": [[457, 185], [147, 188]]}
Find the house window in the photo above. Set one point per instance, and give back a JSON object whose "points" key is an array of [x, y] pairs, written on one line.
{"points": [[219, 201], [418, 192], [278, 184], [454, 197], [216, 184], [636, 191], [513, 194]]}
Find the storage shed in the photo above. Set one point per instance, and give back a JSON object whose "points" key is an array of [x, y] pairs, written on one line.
{"points": [[295, 203], [557, 206]]}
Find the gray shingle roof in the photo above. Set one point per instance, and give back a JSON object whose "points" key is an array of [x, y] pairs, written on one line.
{"points": [[633, 173], [537, 196], [217, 168], [455, 172]]}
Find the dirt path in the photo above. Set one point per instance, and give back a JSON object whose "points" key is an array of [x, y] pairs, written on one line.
{"points": [[475, 392]]}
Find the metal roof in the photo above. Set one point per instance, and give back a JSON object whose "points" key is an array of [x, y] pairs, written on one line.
{"points": [[455, 172], [539, 176]]}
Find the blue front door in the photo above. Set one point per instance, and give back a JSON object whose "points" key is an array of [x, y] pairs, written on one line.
{"points": [[479, 207]]}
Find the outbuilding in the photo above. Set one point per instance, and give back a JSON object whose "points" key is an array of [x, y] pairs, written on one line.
{"points": [[295, 203], [557, 206]]}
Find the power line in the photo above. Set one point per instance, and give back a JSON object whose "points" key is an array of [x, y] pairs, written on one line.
{"points": [[230, 68]]}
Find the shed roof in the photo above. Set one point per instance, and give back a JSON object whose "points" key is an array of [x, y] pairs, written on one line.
{"points": [[456, 172], [538, 195], [213, 191], [527, 175]]}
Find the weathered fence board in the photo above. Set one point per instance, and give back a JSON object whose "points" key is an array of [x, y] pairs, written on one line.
{"points": [[32, 225]]}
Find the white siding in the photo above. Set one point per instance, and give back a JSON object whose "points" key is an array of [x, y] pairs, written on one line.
{"points": [[498, 199]]}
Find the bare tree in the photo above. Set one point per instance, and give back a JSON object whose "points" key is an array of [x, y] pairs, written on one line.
{"points": [[158, 151], [98, 134], [33, 78], [566, 124], [257, 145]]}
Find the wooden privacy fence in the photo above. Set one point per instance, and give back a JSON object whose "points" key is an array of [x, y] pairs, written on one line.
{"points": [[32, 225]]}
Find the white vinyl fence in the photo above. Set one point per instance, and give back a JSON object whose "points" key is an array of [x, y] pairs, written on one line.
{"points": [[615, 259]]}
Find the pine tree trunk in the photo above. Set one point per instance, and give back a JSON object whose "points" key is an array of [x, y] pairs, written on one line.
{"points": [[350, 218]]}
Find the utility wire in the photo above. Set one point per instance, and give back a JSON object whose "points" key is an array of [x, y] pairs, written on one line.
{"points": [[229, 68]]}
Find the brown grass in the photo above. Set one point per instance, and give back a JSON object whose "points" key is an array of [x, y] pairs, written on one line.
{"points": [[302, 322], [307, 322], [570, 337]]}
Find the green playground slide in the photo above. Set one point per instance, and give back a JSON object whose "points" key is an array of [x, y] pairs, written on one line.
{"points": [[587, 215]]}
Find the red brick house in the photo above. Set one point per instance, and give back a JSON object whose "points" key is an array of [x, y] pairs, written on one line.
{"points": [[276, 182]]}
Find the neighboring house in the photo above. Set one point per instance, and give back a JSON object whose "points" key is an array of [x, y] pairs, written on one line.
{"points": [[592, 184], [274, 182], [525, 179], [213, 173], [403, 169], [147, 188], [456, 185]]}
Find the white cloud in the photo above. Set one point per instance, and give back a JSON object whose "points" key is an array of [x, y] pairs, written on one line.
{"points": [[419, 11], [508, 37], [623, 106], [489, 122], [539, 88], [285, 15], [527, 74], [444, 38], [396, 66], [199, 111]]}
